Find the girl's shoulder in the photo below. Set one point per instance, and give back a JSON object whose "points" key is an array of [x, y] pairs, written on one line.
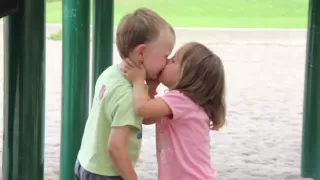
{"points": [[180, 104], [177, 97]]}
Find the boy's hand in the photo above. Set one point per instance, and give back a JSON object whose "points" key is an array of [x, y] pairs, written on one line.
{"points": [[134, 73]]}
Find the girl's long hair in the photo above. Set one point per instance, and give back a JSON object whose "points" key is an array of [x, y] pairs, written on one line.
{"points": [[202, 79]]}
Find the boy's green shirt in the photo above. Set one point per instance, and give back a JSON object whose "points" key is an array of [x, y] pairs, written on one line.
{"points": [[112, 106]]}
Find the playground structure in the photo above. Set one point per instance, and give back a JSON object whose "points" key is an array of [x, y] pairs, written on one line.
{"points": [[25, 131], [310, 156], [24, 82]]}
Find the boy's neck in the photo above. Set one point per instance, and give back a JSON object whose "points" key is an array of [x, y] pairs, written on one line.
{"points": [[122, 64]]}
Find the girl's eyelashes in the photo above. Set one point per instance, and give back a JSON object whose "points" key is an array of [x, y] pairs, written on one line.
{"points": [[172, 59]]}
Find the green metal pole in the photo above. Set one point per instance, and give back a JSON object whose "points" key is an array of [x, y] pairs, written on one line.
{"points": [[310, 160], [75, 81], [24, 92], [102, 37]]}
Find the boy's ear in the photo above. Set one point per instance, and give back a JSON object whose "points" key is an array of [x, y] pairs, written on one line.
{"points": [[140, 49]]}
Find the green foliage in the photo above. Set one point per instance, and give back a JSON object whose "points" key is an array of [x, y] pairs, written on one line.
{"points": [[56, 36]]}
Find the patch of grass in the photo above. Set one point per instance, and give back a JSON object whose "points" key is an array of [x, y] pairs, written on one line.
{"points": [[212, 13], [56, 36], [49, 1], [54, 12]]}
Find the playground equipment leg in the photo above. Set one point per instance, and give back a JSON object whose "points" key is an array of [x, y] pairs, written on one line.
{"points": [[24, 92], [75, 81], [102, 38], [310, 161]]}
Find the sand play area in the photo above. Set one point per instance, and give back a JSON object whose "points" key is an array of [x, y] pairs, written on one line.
{"points": [[262, 139]]}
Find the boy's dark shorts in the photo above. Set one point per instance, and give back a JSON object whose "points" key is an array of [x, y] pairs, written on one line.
{"points": [[82, 174]]}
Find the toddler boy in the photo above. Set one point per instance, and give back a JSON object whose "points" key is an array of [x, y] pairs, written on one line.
{"points": [[112, 137]]}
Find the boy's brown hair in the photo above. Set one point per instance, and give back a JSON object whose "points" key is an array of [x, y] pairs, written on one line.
{"points": [[139, 27], [202, 79]]}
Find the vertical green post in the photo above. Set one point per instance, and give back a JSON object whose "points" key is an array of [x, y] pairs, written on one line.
{"points": [[310, 161], [24, 92], [102, 38], [75, 81]]}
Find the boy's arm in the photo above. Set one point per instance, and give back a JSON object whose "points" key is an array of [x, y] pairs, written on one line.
{"points": [[123, 120], [119, 154]]}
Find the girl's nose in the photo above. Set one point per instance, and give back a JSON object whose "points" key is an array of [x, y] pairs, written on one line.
{"points": [[169, 61]]}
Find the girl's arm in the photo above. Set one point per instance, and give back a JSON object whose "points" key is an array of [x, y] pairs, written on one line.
{"points": [[152, 120], [145, 106]]}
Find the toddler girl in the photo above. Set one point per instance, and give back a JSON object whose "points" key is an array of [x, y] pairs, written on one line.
{"points": [[194, 105]]}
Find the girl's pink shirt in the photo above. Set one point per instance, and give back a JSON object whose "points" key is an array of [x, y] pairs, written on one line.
{"points": [[183, 141]]}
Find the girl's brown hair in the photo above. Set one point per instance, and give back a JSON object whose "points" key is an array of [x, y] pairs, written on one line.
{"points": [[202, 79]]}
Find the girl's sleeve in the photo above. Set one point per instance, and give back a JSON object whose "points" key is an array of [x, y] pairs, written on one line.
{"points": [[177, 102]]}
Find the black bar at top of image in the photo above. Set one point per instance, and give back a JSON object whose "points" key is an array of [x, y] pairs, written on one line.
{"points": [[8, 7]]}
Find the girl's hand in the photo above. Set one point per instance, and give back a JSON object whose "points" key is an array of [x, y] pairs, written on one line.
{"points": [[134, 73]]}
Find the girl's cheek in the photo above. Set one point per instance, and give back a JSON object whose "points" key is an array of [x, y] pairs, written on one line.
{"points": [[165, 76], [175, 74]]}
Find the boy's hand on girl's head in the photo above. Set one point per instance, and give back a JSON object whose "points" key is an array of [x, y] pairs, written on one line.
{"points": [[134, 73]]}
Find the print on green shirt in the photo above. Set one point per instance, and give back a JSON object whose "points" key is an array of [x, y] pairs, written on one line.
{"points": [[112, 106]]}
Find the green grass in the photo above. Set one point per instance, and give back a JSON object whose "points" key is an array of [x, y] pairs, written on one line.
{"points": [[209, 13], [213, 13], [56, 36]]}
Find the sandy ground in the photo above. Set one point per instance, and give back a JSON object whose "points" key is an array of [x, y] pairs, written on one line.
{"points": [[262, 139]]}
